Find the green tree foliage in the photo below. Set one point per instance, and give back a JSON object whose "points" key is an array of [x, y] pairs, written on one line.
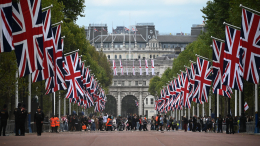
{"points": [[73, 9]]}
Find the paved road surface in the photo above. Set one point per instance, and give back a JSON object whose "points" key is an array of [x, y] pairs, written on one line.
{"points": [[135, 138]]}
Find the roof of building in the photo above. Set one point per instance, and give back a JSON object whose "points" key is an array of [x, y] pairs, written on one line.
{"points": [[120, 38]]}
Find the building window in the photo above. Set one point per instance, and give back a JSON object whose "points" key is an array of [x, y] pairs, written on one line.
{"points": [[115, 83], [143, 58], [146, 113], [139, 56], [151, 101], [153, 56], [164, 46], [108, 56], [123, 83], [146, 101], [120, 57], [129, 83], [144, 83], [115, 56], [127, 56], [150, 56], [136, 83]]}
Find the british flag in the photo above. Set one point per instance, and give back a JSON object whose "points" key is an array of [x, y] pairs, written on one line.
{"points": [[98, 103], [232, 68], [218, 58], [121, 67], [190, 88], [172, 95], [192, 81], [28, 35], [73, 77], [202, 80], [136, 103], [114, 68], [156, 105], [57, 82], [6, 38], [48, 65], [177, 89], [250, 42], [186, 90]]}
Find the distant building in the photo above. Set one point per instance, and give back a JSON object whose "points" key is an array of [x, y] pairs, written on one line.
{"points": [[143, 43]]}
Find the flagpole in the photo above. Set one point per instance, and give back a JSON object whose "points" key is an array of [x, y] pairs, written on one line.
{"points": [[16, 89], [235, 103], [64, 108], [46, 8], [217, 105], [59, 105], [101, 45], [256, 109], [29, 101]]}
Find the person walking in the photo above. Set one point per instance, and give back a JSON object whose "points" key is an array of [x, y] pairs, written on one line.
{"points": [[185, 123], [161, 123], [227, 125], [16, 114], [38, 120], [100, 123], [57, 123], [23, 117], [4, 116], [231, 125], [109, 123], [52, 121], [220, 125], [93, 125], [190, 124], [105, 121], [145, 124]]}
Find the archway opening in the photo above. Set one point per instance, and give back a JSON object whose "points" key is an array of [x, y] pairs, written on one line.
{"points": [[129, 106], [111, 107]]}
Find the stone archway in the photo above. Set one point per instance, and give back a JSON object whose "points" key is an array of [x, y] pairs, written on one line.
{"points": [[128, 105], [110, 105]]}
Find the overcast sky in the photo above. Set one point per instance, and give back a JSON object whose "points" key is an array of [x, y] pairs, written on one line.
{"points": [[168, 16]]}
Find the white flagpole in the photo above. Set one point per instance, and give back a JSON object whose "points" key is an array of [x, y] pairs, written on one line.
{"points": [[54, 103], [235, 103], [64, 108], [29, 101], [217, 105], [16, 89], [239, 103]]}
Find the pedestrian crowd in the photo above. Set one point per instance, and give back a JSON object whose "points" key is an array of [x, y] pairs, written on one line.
{"points": [[107, 122]]}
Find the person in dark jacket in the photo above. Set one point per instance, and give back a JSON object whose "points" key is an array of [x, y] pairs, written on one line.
{"points": [[194, 123], [231, 130], [220, 124], [227, 125], [16, 115], [38, 120], [185, 123], [130, 122], [4, 116], [22, 118], [190, 123]]}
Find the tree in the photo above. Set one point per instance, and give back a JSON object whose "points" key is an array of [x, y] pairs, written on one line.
{"points": [[73, 9]]}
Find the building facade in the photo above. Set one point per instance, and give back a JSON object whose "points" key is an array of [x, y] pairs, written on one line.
{"points": [[141, 42]]}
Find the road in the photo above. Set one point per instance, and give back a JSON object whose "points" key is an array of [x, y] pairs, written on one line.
{"points": [[131, 138]]}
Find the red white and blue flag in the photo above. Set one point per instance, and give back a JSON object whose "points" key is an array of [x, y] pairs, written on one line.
{"points": [[218, 58], [190, 88], [57, 82], [73, 77], [233, 70], [250, 42], [202, 80], [6, 38], [136, 103], [28, 35], [126, 29], [48, 44]]}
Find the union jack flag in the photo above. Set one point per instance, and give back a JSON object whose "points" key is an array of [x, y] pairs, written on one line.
{"points": [[133, 68], [250, 42], [98, 103], [126, 29], [233, 71], [156, 105], [48, 67], [190, 88], [28, 35], [6, 38], [121, 67], [192, 81], [218, 58], [95, 30], [146, 67], [140, 67], [177, 89], [73, 76], [57, 82], [202, 80], [136, 103], [186, 90], [114, 68]]}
